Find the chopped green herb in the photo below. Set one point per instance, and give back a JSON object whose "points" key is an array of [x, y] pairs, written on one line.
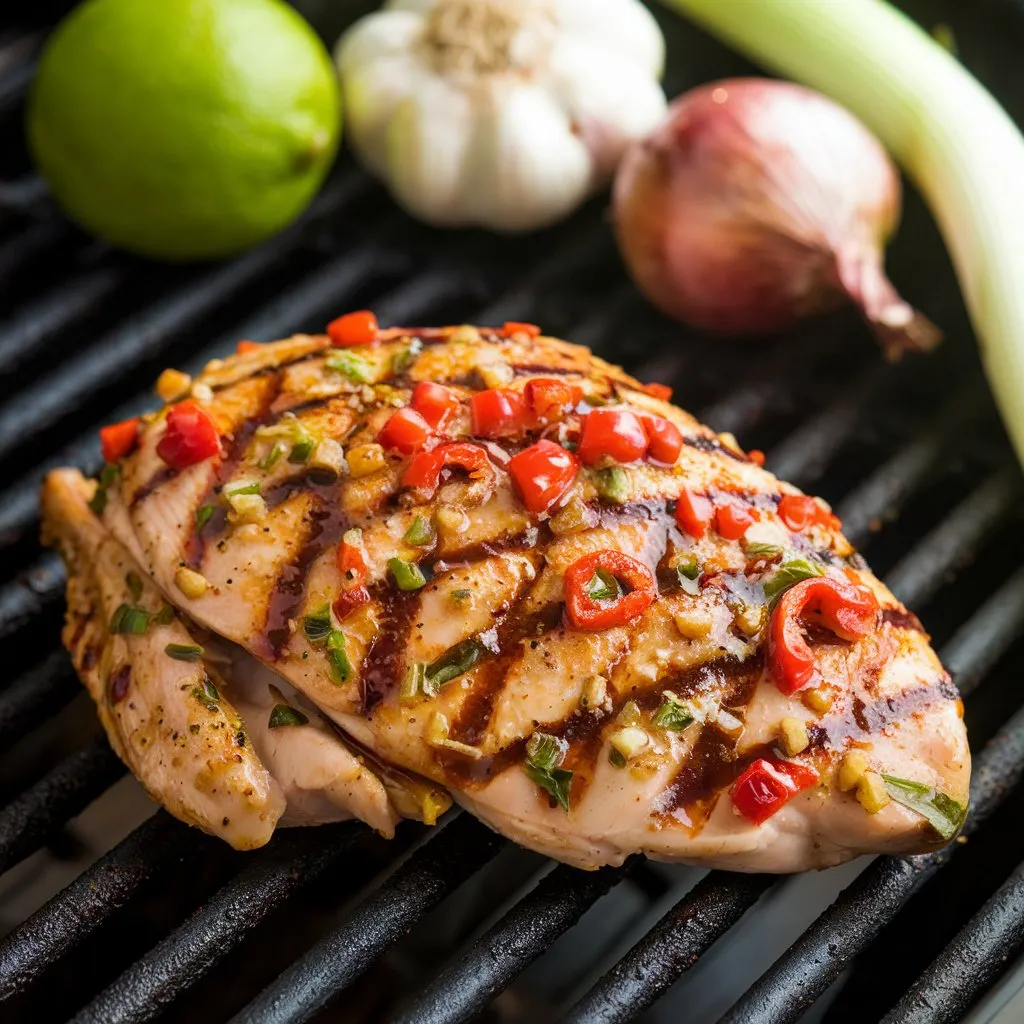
{"points": [[673, 714], [184, 652], [688, 574], [351, 365], [109, 473], [408, 575], [414, 682], [285, 714], [129, 619], [134, 585], [616, 758], [456, 660], [271, 459], [613, 484], [943, 813], [603, 586], [301, 451], [203, 515], [544, 754], [317, 626], [165, 616], [234, 492], [206, 693], [460, 595], [421, 533], [789, 574], [404, 358], [341, 667], [758, 550]]}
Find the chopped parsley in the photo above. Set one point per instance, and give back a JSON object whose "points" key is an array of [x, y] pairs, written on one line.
{"points": [[673, 714]]}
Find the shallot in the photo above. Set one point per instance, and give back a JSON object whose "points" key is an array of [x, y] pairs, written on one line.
{"points": [[757, 203]]}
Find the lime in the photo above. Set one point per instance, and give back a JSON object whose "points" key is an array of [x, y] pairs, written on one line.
{"points": [[184, 129]]}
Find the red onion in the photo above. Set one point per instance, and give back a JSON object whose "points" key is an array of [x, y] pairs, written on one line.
{"points": [[757, 203]]}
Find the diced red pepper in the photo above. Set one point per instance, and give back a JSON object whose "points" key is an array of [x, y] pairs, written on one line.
{"points": [[435, 403], [191, 436], [511, 327], [542, 473], [616, 433], [245, 347], [664, 440], [550, 399], [117, 440], [360, 328], [694, 513], [406, 431], [586, 612], [847, 609], [731, 521], [498, 412], [662, 391], [349, 600], [756, 456], [424, 472], [352, 563], [800, 511], [769, 784]]}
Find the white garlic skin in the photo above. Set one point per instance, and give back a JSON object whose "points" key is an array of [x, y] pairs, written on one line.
{"points": [[504, 114]]}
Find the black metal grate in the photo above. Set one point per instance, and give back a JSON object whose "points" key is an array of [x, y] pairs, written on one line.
{"points": [[334, 924]]}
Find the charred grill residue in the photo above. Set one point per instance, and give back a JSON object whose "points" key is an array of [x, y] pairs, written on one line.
{"points": [[902, 619], [382, 665]]}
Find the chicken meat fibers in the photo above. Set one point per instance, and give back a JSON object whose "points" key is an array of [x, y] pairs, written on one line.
{"points": [[364, 574]]}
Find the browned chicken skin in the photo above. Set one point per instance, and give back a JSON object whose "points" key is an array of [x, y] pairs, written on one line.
{"points": [[440, 622]]}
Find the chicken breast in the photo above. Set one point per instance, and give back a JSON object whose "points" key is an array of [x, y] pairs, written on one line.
{"points": [[496, 562]]}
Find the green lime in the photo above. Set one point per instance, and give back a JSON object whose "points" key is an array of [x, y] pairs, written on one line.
{"points": [[184, 129]]}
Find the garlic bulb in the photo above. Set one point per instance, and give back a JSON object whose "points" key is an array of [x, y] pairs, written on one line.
{"points": [[504, 114]]}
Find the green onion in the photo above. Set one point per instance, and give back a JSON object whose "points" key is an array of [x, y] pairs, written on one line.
{"points": [[285, 714], [613, 484], [789, 574], [407, 575], [301, 451], [456, 660], [206, 693], [165, 616], [203, 515], [317, 626], [184, 652], [616, 758], [134, 585], [943, 813], [954, 140], [460, 595], [414, 682], [129, 619], [351, 365], [404, 358], [673, 714], [108, 474], [341, 667], [603, 586], [688, 574], [233, 492], [758, 550], [271, 459], [421, 533], [544, 754]]}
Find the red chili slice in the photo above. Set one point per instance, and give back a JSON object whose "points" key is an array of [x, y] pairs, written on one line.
{"points": [[664, 440], [191, 436], [756, 456], [424, 472], [694, 513], [352, 563], [435, 403], [542, 473], [511, 327], [731, 521], [498, 412], [349, 600], [767, 785], [586, 612], [118, 439], [406, 431], [616, 433], [656, 390], [847, 609], [245, 347], [550, 400], [800, 511], [359, 328]]}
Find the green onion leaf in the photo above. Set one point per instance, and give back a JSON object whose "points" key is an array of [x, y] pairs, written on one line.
{"points": [[108, 474], [456, 660], [206, 693], [301, 451], [613, 484], [943, 813], [271, 459], [351, 365], [414, 682], [544, 754], [408, 575], [688, 574], [134, 585], [421, 533], [603, 586], [184, 652], [203, 515], [460, 595], [616, 758], [285, 714], [404, 358], [233, 492], [129, 619], [317, 626], [789, 574], [165, 616], [673, 714], [341, 667], [758, 550]]}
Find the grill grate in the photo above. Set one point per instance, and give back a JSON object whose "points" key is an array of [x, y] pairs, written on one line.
{"points": [[446, 925]]}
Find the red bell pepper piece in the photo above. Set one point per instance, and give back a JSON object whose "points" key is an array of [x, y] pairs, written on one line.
{"points": [[664, 440], [245, 347], [511, 327], [349, 600], [498, 412], [769, 784], [586, 612], [352, 563], [191, 436], [616, 433], [800, 511], [847, 609], [756, 456], [694, 513], [424, 472], [662, 391], [542, 473], [360, 328], [731, 521], [435, 403], [549, 400], [117, 440], [406, 431]]}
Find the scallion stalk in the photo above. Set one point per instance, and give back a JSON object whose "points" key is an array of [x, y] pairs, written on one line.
{"points": [[953, 139]]}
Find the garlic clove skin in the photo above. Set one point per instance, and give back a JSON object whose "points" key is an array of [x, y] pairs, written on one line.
{"points": [[627, 29]]}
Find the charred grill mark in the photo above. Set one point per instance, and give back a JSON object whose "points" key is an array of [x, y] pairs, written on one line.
{"points": [[381, 667], [119, 682], [533, 369], [264, 371], [712, 444], [902, 619], [462, 558], [157, 480]]}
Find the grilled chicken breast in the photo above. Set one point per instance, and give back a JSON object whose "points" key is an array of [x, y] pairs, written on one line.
{"points": [[486, 563]]}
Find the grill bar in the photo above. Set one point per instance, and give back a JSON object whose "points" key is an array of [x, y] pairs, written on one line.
{"points": [[40, 692], [21, 251], [31, 595], [293, 858], [335, 961]]}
